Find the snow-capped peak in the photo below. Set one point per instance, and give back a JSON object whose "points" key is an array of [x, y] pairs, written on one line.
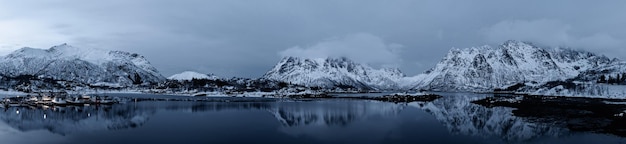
{"points": [[65, 51], [333, 72], [85, 65], [189, 75], [486, 67]]}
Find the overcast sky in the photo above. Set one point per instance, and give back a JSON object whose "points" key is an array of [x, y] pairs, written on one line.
{"points": [[246, 38]]}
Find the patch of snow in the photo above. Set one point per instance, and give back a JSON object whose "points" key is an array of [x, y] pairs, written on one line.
{"points": [[189, 75], [409, 94], [617, 103], [11, 93], [582, 90], [107, 84]]}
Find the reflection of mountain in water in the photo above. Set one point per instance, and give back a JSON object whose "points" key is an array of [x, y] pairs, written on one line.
{"points": [[331, 113], [360, 121], [324, 119], [68, 120], [462, 117]]}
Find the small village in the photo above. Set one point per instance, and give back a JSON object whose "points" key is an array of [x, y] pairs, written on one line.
{"points": [[50, 99]]}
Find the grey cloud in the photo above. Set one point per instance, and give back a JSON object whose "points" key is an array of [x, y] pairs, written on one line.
{"points": [[242, 38], [548, 32], [553, 33], [360, 47]]}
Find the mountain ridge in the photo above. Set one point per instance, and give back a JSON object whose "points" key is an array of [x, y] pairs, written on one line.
{"points": [[485, 68], [474, 69], [83, 65], [333, 72]]}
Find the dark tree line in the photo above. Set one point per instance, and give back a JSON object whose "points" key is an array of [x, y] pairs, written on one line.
{"points": [[236, 84], [618, 79]]}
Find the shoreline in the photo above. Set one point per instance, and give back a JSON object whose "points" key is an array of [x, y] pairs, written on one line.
{"points": [[577, 114]]}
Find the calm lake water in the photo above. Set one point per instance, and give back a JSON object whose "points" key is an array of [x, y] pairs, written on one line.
{"points": [[451, 119]]}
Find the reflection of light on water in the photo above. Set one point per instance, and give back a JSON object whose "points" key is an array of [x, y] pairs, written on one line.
{"points": [[45, 116], [17, 112], [88, 114]]}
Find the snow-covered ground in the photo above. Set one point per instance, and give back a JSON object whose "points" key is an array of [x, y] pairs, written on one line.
{"points": [[4, 93], [188, 75], [230, 92], [85, 91], [409, 94], [584, 90]]}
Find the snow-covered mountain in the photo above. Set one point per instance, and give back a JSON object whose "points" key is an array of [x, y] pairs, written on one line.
{"points": [[84, 65], [188, 75], [485, 68], [333, 72]]}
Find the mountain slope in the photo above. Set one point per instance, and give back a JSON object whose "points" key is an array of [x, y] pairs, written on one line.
{"points": [[607, 81], [612, 73], [65, 62], [333, 72], [188, 75], [485, 68]]}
